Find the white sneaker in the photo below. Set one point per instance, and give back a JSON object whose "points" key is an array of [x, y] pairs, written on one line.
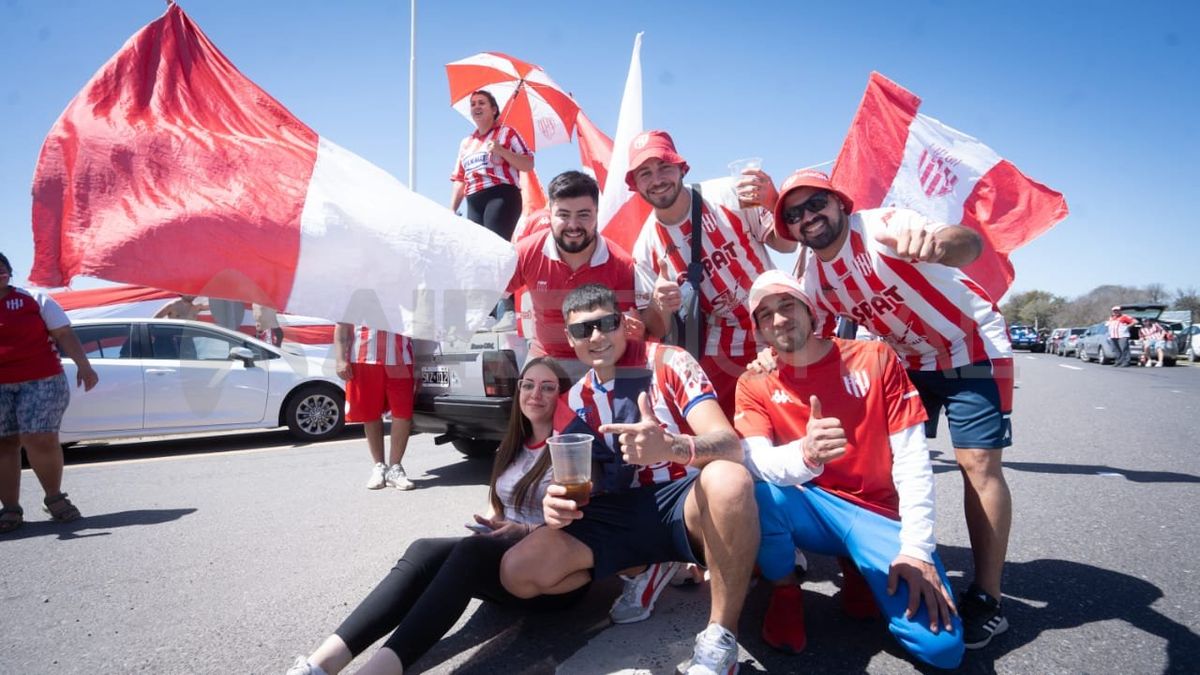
{"points": [[376, 480], [689, 575], [715, 653], [507, 322], [303, 667], [396, 478], [640, 592]]}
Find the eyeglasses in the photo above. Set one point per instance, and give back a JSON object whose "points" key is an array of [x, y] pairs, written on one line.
{"points": [[583, 329], [528, 386], [815, 204]]}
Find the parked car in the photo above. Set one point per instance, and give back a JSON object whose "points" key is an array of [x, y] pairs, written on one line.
{"points": [[1025, 337], [1056, 337], [1187, 343], [1069, 346], [165, 376], [1141, 312], [1095, 345]]}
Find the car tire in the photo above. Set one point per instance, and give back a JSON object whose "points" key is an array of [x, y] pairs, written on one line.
{"points": [[475, 448], [1192, 355], [315, 413], [1100, 358], [1082, 353]]}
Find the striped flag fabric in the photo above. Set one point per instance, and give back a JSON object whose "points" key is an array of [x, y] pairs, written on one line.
{"points": [[895, 156], [171, 169]]}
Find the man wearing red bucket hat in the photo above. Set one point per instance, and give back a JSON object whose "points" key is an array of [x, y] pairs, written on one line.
{"points": [[736, 221], [898, 274]]}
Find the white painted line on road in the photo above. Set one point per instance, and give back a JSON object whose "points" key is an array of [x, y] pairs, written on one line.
{"points": [[1099, 407], [1176, 391], [1063, 365], [1110, 474], [1031, 358]]}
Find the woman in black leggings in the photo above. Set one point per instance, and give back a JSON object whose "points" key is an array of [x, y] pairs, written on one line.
{"points": [[429, 588], [487, 171]]}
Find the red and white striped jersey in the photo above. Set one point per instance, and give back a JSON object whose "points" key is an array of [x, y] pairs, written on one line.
{"points": [[477, 168], [933, 315], [733, 255], [676, 384], [380, 346]]}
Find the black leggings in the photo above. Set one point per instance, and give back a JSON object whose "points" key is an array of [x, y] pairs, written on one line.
{"points": [[497, 208], [428, 590]]}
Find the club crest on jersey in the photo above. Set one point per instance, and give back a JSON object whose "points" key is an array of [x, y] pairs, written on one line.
{"points": [[857, 383], [708, 221], [862, 263], [936, 171], [14, 304]]}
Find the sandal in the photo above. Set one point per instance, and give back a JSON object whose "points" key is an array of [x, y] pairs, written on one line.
{"points": [[9, 524], [65, 512]]}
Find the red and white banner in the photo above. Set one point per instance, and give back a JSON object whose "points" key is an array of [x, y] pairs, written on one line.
{"points": [[894, 156], [171, 169], [595, 147], [622, 212]]}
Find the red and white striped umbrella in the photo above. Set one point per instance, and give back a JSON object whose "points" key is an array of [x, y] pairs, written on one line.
{"points": [[529, 100]]}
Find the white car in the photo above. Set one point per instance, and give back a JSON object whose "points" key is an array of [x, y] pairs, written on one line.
{"points": [[165, 376]]}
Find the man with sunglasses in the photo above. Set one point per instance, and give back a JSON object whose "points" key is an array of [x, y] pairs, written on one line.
{"points": [[736, 229], [679, 491], [899, 274], [567, 255]]}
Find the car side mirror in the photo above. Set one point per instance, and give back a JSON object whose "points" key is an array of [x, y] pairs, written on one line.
{"points": [[242, 354]]}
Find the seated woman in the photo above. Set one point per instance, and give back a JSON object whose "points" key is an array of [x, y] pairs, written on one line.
{"points": [[429, 588]]}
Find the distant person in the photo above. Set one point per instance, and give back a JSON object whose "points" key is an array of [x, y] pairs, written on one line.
{"points": [[678, 491], [900, 275], [1118, 335], [736, 230], [185, 307], [837, 433], [377, 368], [34, 395], [487, 170], [266, 324], [429, 588], [1154, 341]]}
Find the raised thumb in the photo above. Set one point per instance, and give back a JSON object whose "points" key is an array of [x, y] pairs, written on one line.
{"points": [[664, 264], [644, 407], [814, 405]]}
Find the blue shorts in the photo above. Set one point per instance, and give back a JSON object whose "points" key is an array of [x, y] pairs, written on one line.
{"points": [[814, 520], [639, 526], [977, 399], [34, 406], [1155, 345]]}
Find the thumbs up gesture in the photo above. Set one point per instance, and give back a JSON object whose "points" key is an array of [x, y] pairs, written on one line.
{"points": [[645, 442], [825, 439], [667, 296], [918, 244]]}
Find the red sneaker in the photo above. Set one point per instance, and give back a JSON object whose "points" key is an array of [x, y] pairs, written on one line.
{"points": [[857, 600], [783, 626]]}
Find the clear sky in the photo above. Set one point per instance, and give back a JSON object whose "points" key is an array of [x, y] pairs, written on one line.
{"points": [[1098, 100]]}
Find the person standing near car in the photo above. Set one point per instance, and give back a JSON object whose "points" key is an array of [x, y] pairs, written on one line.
{"points": [[34, 395], [185, 307], [899, 274], [377, 368], [1118, 335]]}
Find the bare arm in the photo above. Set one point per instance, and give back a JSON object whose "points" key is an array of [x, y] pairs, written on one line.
{"points": [[646, 442], [164, 311], [69, 342], [458, 190], [342, 339]]}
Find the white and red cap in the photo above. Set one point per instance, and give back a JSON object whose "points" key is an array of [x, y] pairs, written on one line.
{"points": [[778, 281], [649, 145], [800, 179]]}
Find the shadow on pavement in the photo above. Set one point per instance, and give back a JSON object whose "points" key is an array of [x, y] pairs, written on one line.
{"points": [[92, 452], [945, 465], [105, 521], [463, 472]]}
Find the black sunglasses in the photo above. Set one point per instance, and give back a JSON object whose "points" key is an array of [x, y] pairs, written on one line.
{"points": [[583, 329], [815, 204]]}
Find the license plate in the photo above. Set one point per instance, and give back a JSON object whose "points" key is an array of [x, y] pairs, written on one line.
{"points": [[435, 376]]}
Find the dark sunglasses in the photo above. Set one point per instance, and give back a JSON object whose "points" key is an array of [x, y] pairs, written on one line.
{"points": [[815, 204], [583, 329]]}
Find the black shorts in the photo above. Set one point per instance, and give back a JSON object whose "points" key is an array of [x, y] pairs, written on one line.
{"points": [[639, 526]]}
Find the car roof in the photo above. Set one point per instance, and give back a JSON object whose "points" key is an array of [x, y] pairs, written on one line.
{"points": [[93, 321]]}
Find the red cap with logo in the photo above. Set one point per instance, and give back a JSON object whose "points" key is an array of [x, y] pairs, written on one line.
{"points": [[650, 145], [800, 179]]}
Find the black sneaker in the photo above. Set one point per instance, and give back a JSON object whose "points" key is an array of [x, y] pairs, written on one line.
{"points": [[982, 617]]}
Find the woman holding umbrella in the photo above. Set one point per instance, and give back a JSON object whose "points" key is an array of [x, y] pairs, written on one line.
{"points": [[487, 169]]}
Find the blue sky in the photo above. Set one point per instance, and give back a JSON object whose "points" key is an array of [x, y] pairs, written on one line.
{"points": [[1095, 99]]}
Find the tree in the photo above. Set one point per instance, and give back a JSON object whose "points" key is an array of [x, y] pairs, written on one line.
{"points": [[1035, 308], [1187, 299]]}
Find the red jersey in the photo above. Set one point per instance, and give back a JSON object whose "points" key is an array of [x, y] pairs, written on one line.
{"points": [[676, 385], [549, 279], [733, 255], [380, 346], [477, 168], [27, 351], [860, 382]]}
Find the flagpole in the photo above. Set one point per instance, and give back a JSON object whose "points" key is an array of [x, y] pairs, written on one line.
{"points": [[412, 96]]}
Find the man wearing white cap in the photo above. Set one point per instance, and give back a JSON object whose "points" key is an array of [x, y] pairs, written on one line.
{"points": [[836, 431], [898, 274], [1118, 334]]}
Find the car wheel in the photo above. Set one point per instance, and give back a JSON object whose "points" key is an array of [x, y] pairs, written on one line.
{"points": [[315, 413], [1100, 357], [475, 449], [1192, 355], [1081, 352]]}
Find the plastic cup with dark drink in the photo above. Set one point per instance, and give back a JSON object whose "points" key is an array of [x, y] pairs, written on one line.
{"points": [[571, 457]]}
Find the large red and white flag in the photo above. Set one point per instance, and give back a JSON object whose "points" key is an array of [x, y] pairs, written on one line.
{"points": [[595, 147], [622, 212], [894, 156], [171, 169]]}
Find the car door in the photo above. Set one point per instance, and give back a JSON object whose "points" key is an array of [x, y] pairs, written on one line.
{"points": [[191, 381], [117, 401]]}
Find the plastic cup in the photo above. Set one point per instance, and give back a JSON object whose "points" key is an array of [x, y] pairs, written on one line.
{"points": [[738, 166], [571, 459]]}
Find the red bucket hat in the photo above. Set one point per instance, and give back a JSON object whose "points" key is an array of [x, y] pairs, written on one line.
{"points": [[651, 144], [805, 178]]}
